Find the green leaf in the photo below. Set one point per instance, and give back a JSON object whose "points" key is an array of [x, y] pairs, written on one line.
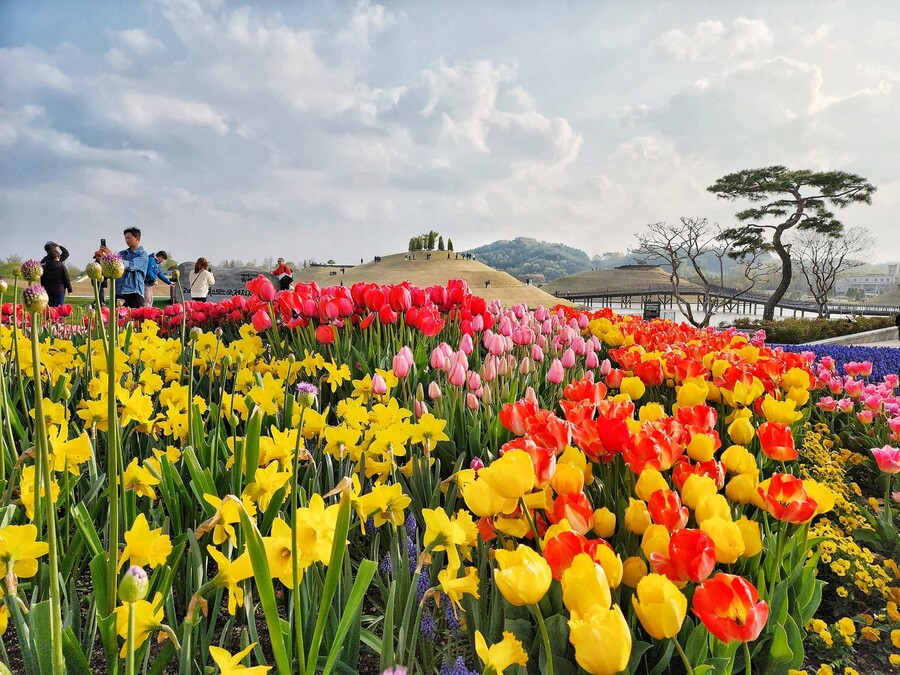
{"points": [[351, 610], [251, 443], [638, 648], [263, 577], [697, 645], [332, 578], [662, 665], [386, 650], [201, 478], [76, 662], [558, 632], [780, 651]]}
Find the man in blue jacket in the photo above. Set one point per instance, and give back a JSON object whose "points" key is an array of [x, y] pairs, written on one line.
{"points": [[130, 288], [154, 272]]}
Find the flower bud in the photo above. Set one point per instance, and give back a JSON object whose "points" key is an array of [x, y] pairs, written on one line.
{"points": [[194, 334], [175, 274], [94, 271], [35, 298], [31, 270], [3, 286], [113, 266], [306, 394], [434, 390], [134, 584]]}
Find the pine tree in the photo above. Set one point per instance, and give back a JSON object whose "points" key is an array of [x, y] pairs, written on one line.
{"points": [[449, 244], [440, 243]]}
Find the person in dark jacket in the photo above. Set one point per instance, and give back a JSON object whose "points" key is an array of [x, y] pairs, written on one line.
{"points": [[897, 322], [63, 252], [55, 278]]}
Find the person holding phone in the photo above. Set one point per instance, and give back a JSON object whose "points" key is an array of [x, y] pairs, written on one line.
{"points": [[130, 288], [200, 280]]}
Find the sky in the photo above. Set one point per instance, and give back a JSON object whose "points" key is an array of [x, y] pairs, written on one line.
{"points": [[338, 130]]}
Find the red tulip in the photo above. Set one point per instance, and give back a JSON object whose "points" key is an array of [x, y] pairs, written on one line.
{"points": [[784, 497], [561, 550], [513, 416], [730, 608], [261, 320], [576, 508], [262, 288], [692, 556], [777, 441], [325, 334], [666, 510]]}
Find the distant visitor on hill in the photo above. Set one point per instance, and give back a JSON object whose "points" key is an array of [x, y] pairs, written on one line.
{"points": [[284, 274]]}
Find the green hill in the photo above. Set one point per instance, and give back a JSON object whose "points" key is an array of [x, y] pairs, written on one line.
{"points": [[524, 257]]}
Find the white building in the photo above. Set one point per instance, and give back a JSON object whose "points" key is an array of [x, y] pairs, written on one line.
{"points": [[872, 284]]}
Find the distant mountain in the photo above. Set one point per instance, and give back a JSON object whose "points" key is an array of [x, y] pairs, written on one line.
{"points": [[526, 258]]}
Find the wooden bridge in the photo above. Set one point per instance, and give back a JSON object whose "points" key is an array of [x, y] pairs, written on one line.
{"points": [[734, 301]]}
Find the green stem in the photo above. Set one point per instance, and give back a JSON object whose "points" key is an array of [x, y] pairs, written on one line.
{"points": [[747, 657], [44, 483], [888, 516], [684, 658], [779, 552], [295, 548], [112, 455], [129, 655], [546, 637]]}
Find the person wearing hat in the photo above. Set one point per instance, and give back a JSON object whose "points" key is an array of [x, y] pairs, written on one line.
{"points": [[60, 249]]}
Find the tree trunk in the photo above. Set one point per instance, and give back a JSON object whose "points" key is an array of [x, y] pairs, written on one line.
{"points": [[786, 275]]}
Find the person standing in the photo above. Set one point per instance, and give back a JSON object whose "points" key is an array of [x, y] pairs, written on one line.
{"points": [[284, 274], [55, 278], [130, 288], [897, 323], [154, 273], [201, 279], [49, 246]]}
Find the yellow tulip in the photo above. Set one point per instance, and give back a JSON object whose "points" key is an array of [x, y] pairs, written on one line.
{"points": [[512, 475], [655, 540], [649, 482], [783, 412], [637, 517], [633, 387], [484, 501], [741, 431], [727, 537], [604, 523], [742, 489], [692, 392], [650, 412], [737, 459], [633, 570], [751, 536], [713, 506], [602, 640], [660, 606], [523, 576], [697, 488], [701, 448], [823, 495], [611, 563], [568, 479], [584, 586]]}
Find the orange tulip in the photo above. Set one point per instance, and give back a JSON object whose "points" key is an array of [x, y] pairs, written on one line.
{"points": [[730, 608]]}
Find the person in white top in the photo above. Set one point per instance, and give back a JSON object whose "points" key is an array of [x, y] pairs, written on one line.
{"points": [[201, 279]]}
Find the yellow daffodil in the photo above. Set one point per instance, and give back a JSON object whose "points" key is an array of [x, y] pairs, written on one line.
{"points": [[229, 663], [456, 587], [267, 481], [499, 657], [384, 503], [148, 618], [336, 374], [230, 573], [19, 550], [144, 546], [140, 479]]}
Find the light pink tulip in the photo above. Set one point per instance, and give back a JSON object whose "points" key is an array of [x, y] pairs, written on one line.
{"points": [[555, 373], [465, 344], [434, 391], [489, 371], [400, 366], [505, 326], [591, 361], [568, 359], [478, 323], [379, 386], [605, 367], [419, 408], [438, 359], [473, 381], [525, 366], [530, 395], [471, 401], [537, 354]]}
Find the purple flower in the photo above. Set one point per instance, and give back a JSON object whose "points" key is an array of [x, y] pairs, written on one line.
{"points": [[113, 266], [35, 298], [306, 393], [396, 670], [31, 270]]}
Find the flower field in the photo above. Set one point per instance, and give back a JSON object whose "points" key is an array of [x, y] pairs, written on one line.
{"points": [[395, 479]]}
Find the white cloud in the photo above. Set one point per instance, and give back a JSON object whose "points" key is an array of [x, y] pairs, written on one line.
{"points": [[137, 41], [714, 40], [146, 110], [368, 22]]}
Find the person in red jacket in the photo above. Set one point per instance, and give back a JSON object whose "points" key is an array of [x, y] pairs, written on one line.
{"points": [[284, 274]]}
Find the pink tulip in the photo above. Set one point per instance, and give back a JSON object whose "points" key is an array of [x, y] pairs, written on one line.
{"points": [[583, 321], [591, 361], [471, 401], [400, 366], [419, 408], [457, 375], [465, 344], [845, 405], [529, 394], [526, 366], [854, 388], [537, 354], [866, 416], [605, 367], [261, 320], [489, 371], [379, 386], [473, 381], [887, 458], [555, 373], [522, 336], [434, 391], [568, 359], [485, 395], [478, 323], [505, 327], [438, 360]]}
